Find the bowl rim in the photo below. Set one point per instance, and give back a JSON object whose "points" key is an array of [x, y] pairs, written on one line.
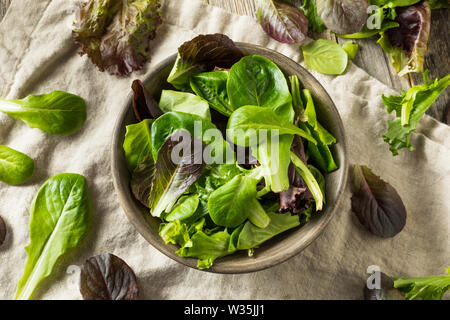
{"points": [[271, 261]]}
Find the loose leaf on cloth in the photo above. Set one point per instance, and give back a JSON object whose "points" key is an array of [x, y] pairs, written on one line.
{"points": [[410, 106], [407, 44], [376, 203], [325, 56], [144, 106], [366, 32], [257, 81], [343, 16], [60, 217], [107, 277], [2, 231], [425, 288], [15, 167], [115, 34], [137, 144], [173, 179], [201, 54], [141, 180], [57, 112], [351, 48], [282, 22]]}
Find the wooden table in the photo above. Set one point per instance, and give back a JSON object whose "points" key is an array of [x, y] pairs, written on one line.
{"points": [[370, 56]]}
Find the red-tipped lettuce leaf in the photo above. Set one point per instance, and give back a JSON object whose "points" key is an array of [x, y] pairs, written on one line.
{"points": [[141, 180], [115, 34], [144, 106], [203, 53], [376, 203], [107, 277], [282, 22], [343, 16], [172, 179]]}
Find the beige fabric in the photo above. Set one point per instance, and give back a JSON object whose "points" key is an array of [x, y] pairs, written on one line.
{"points": [[37, 55]]}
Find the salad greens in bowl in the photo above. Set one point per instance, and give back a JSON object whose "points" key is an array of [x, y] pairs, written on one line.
{"points": [[229, 157]]}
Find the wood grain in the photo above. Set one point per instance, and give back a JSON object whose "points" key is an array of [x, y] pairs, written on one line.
{"points": [[371, 57]]}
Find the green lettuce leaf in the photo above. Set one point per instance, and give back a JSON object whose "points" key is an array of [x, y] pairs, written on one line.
{"points": [[410, 106], [175, 232], [426, 288], [138, 143], [184, 102]]}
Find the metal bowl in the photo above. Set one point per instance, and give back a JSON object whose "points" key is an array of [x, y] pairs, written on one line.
{"points": [[275, 250]]}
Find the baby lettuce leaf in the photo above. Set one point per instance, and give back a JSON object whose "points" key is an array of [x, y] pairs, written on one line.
{"points": [[297, 101], [57, 112], [141, 180], [257, 81], [325, 56], [184, 102], [407, 44], [60, 217], [284, 23], [144, 106], [246, 122], [310, 9], [173, 179], [251, 236], [351, 48], [212, 86], [170, 122], [257, 215], [138, 143], [107, 277], [273, 156], [175, 232], [15, 167], [366, 32], [343, 16], [207, 248], [184, 208], [410, 106], [425, 288], [310, 181], [201, 54], [115, 34], [376, 203], [2, 231], [228, 205]]}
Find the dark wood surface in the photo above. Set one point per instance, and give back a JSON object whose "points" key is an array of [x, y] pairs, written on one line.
{"points": [[370, 56]]}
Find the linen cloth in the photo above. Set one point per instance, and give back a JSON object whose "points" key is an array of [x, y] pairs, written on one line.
{"points": [[38, 55]]}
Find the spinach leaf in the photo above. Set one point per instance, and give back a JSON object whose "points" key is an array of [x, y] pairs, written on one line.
{"points": [[57, 113], [173, 179], [228, 205], [175, 232], [137, 144], [60, 218], [15, 167], [107, 277], [310, 180], [167, 124], [410, 106], [212, 86], [282, 22], [201, 54], [184, 208], [115, 34], [184, 102], [246, 122], [376, 203], [325, 56], [141, 180], [251, 236], [343, 16], [207, 248], [257, 81], [426, 288]]}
